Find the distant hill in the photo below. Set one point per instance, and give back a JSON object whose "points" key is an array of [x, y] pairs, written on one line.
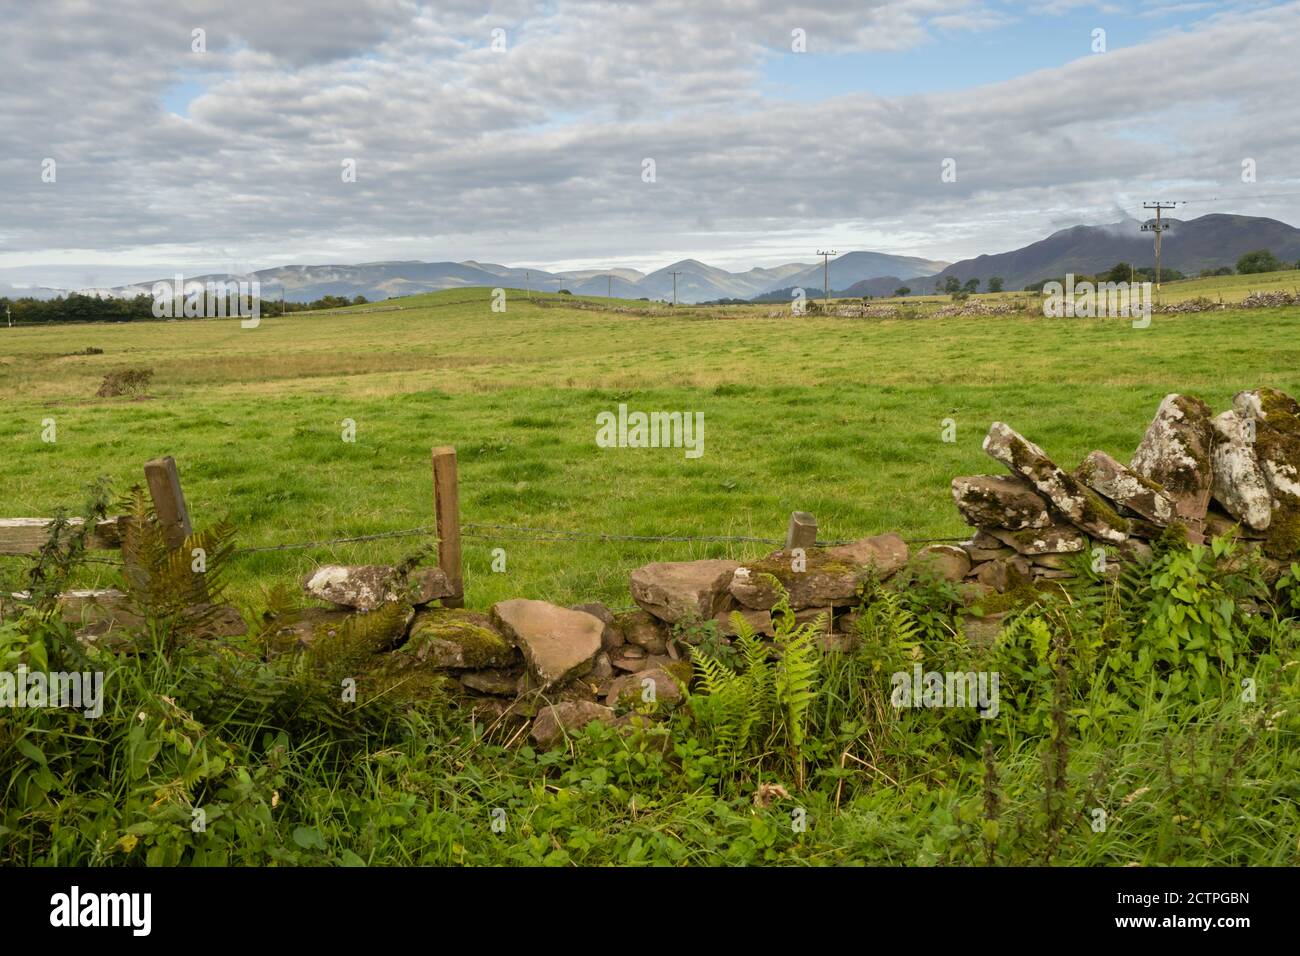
{"points": [[853, 267], [1189, 246], [697, 281]]}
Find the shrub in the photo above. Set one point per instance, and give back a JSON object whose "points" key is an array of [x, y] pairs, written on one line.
{"points": [[1261, 260], [127, 381]]}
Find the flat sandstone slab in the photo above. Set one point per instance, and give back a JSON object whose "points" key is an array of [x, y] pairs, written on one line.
{"points": [[556, 643]]}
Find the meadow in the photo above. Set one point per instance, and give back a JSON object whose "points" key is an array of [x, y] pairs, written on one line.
{"points": [[1123, 738], [840, 417]]}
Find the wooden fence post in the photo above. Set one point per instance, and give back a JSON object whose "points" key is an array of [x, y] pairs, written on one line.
{"points": [[168, 501], [446, 508], [802, 532]]}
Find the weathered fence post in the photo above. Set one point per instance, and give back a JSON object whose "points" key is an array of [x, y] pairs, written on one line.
{"points": [[446, 508], [802, 532], [168, 500]]}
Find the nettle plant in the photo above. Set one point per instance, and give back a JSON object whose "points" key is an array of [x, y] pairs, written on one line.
{"points": [[1194, 630]]}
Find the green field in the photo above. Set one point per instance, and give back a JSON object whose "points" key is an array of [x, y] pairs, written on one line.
{"points": [[1120, 697], [839, 417]]}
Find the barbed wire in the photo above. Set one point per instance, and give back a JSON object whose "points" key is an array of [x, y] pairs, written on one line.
{"points": [[329, 542], [504, 532]]}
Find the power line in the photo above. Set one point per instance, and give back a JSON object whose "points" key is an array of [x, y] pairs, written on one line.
{"points": [[826, 282], [674, 286], [1158, 227]]}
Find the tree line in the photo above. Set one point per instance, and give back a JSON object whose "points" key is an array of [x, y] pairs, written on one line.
{"points": [[77, 307]]}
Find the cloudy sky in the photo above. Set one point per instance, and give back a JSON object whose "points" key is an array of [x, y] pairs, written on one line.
{"points": [[228, 152]]}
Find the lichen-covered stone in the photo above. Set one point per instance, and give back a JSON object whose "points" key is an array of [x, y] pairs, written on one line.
{"points": [[1175, 454], [1124, 486], [1082, 506], [1277, 449], [457, 639], [1060, 538], [830, 576], [556, 643], [999, 501], [676, 591], [1239, 483], [360, 587]]}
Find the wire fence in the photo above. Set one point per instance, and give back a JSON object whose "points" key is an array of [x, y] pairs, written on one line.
{"points": [[506, 532]]}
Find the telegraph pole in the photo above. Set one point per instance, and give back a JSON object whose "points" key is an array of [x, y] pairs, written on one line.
{"points": [[528, 280], [674, 275], [826, 282], [1158, 227], [609, 286]]}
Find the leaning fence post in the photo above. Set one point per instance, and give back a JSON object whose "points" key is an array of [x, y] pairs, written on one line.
{"points": [[802, 532], [168, 500], [446, 508]]}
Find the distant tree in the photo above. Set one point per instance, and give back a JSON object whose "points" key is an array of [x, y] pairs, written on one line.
{"points": [[360, 300], [951, 285], [901, 291], [1119, 272], [972, 285], [1148, 274], [995, 284], [565, 292], [1261, 260]]}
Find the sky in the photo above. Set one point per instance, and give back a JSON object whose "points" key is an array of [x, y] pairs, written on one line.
{"points": [[145, 137]]}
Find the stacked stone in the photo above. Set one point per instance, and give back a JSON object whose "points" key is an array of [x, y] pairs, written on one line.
{"points": [[821, 583], [1236, 473]]}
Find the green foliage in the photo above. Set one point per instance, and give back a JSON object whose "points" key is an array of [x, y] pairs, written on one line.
{"points": [[1260, 260], [759, 704]]}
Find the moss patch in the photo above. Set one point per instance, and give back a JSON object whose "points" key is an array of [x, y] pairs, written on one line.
{"points": [[472, 640]]}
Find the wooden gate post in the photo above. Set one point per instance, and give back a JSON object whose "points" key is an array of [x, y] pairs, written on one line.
{"points": [[446, 509], [802, 532], [168, 500]]}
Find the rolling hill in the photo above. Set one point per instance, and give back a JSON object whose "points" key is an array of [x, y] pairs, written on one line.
{"points": [[1189, 246]]}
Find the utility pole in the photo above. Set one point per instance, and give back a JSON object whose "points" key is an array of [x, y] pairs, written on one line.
{"points": [[609, 286], [674, 275], [826, 282], [1158, 227], [528, 283]]}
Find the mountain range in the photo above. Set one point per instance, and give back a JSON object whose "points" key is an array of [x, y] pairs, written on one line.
{"points": [[1190, 245]]}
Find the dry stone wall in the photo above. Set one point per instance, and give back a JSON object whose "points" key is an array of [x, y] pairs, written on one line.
{"points": [[1194, 474]]}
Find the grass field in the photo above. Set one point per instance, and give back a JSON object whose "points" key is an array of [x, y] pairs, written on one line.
{"points": [[842, 417], [839, 417]]}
